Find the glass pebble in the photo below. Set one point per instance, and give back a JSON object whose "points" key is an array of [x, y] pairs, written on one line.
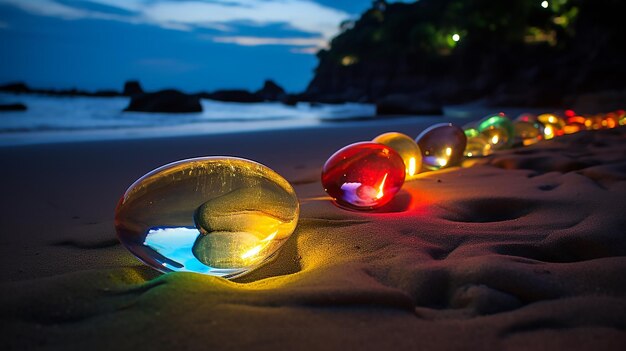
{"points": [[621, 117], [553, 125], [221, 216], [363, 176], [407, 148], [477, 146], [575, 124], [442, 145], [528, 133], [498, 131]]}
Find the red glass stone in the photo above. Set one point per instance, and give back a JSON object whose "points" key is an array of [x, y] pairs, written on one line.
{"points": [[363, 176]]}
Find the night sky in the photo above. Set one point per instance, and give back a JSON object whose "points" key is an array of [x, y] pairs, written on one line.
{"points": [[189, 45]]}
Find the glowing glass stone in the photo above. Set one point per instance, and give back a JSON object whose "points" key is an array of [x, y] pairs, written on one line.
{"points": [[407, 148], [621, 117], [477, 146], [528, 133], [611, 120], [498, 131], [553, 125], [442, 145], [574, 124], [363, 176], [221, 216], [471, 130], [595, 122]]}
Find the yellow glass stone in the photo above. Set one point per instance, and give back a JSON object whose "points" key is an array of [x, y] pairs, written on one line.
{"points": [[478, 146], [528, 133], [621, 117], [221, 216], [407, 148], [553, 125]]}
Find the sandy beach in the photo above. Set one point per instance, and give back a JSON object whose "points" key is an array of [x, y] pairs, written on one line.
{"points": [[524, 249]]}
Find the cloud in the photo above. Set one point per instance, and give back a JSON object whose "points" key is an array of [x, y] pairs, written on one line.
{"points": [[256, 41], [305, 16], [46, 8], [307, 51]]}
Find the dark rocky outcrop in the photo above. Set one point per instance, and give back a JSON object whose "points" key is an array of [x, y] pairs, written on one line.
{"points": [[22, 88], [290, 100], [13, 107], [16, 88], [132, 88], [512, 52], [168, 101], [271, 92], [407, 104]]}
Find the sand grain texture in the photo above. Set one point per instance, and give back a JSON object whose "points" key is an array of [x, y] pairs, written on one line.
{"points": [[525, 249]]}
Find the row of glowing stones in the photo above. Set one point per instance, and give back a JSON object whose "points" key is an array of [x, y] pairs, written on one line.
{"points": [[225, 216], [367, 175], [497, 132]]}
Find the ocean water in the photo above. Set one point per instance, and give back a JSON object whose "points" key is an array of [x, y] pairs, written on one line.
{"points": [[58, 119]]}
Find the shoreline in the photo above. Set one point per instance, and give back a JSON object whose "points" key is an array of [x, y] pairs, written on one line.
{"points": [[211, 129]]}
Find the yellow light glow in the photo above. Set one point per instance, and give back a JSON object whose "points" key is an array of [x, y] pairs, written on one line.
{"points": [[469, 154], [271, 236], [348, 60], [442, 162], [255, 250], [380, 187], [495, 139], [456, 37], [545, 4], [549, 132], [412, 166], [448, 152], [252, 252]]}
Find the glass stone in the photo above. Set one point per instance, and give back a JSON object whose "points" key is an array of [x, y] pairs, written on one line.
{"points": [[498, 131], [621, 117], [363, 176], [574, 124], [471, 132], [610, 120], [477, 146], [595, 122], [222, 216], [407, 148], [553, 125], [528, 133], [442, 145]]}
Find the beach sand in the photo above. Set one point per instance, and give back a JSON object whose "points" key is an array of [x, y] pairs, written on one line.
{"points": [[525, 249]]}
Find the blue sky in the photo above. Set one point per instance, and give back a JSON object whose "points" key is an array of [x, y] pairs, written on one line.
{"points": [[191, 45]]}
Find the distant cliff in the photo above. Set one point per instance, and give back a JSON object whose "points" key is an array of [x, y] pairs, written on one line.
{"points": [[521, 52]]}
